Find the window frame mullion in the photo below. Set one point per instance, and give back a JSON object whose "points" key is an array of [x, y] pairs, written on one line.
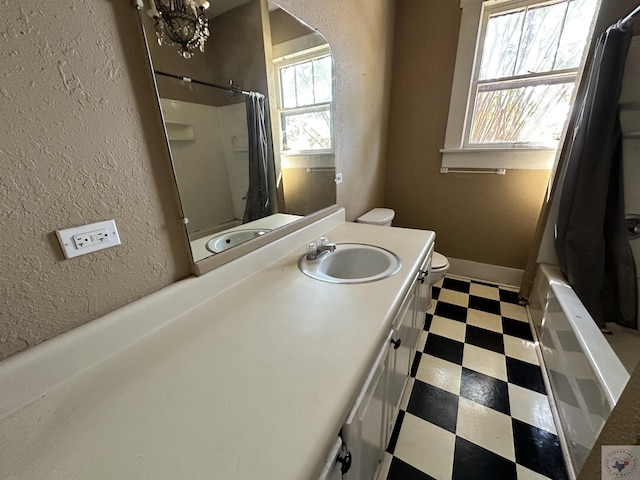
{"points": [[522, 25], [556, 75], [564, 21], [475, 73]]}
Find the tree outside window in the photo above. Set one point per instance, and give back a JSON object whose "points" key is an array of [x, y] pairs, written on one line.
{"points": [[306, 94], [525, 73]]}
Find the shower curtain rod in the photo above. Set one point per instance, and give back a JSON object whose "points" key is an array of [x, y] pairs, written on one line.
{"points": [[231, 88], [625, 23]]}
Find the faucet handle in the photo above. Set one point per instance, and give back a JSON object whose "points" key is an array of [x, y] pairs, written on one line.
{"points": [[312, 249], [322, 241]]}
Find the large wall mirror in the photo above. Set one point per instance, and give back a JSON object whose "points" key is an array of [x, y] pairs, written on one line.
{"points": [[249, 126]]}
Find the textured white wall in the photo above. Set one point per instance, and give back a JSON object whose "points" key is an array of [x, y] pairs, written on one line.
{"points": [[74, 150]]}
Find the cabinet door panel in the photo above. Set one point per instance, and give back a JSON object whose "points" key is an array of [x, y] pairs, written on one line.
{"points": [[423, 288], [332, 467], [401, 352], [364, 429], [371, 426], [336, 473]]}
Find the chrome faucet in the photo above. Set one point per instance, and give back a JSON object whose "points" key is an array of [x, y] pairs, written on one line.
{"points": [[319, 248]]}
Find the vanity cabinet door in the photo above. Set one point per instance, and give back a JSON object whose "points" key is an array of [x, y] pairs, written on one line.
{"points": [[364, 430], [333, 463], [423, 291], [402, 347]]}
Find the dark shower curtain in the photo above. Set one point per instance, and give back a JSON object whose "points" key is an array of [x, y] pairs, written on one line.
{"points": [[591, 237], [258, 199]]}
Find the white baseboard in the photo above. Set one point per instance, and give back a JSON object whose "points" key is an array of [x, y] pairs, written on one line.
{"points": [[486, 272]]}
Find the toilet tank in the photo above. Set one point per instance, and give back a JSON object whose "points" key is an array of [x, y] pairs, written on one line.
{"points": [[378, 216]]}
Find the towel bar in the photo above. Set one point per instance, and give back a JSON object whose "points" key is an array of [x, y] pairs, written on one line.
{"points": [[494, 171]]}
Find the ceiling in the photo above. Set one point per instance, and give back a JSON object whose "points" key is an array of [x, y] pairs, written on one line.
{"points": [[218, 7]]}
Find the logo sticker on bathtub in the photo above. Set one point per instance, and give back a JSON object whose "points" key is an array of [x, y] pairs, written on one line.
{"points": [[620, 461]]}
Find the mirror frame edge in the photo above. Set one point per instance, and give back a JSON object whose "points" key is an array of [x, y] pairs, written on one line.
{"points": [[163, 127]]}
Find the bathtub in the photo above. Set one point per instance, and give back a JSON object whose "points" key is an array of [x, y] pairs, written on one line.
{"points": [[584, 373]]}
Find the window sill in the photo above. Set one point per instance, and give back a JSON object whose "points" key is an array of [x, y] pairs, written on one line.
{"points": [[315, 161], [498, 158]]}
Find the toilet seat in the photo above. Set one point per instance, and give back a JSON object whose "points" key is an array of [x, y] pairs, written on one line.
{"points": [[439, 262]]}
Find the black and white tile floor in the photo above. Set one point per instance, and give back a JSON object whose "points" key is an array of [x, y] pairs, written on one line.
{"points": [[475, 406]]}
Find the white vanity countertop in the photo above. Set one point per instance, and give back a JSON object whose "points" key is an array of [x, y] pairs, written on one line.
{"points": [[254, 382]]}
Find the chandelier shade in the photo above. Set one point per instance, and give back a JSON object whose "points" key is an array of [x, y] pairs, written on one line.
{"points": [[183, 22]]}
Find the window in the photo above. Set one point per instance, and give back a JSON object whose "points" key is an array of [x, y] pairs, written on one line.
{"points": [[526, 73], [520, 82], [305, 97]]}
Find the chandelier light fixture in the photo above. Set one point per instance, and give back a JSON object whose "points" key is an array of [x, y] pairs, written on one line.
{"points": [[183, 22]]}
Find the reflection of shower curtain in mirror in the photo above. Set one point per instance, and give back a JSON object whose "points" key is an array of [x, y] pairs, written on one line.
{"points": [[258, 201], [591, 237]]}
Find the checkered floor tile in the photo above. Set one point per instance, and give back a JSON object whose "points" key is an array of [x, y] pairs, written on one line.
{"points": [[475, 406]]}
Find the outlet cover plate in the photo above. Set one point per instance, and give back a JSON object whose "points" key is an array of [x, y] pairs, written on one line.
{"points": [[76, 241]]}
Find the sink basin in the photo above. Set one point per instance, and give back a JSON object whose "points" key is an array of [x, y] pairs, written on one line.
{"points": [[227, 240], [352, 263]]}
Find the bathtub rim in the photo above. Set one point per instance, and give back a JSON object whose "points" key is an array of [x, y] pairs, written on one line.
{"points": [[602, 358]]}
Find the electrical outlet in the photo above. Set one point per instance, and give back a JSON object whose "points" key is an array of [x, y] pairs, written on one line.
{"points": [[76, 241], [85, 240]]}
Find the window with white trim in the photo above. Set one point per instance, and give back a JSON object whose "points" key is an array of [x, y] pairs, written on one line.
{"points": [[520, 81], [305, 96]]}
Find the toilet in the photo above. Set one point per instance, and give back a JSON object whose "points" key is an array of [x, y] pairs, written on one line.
{"points": [[384, 217], [378, 216], [439, 267]]}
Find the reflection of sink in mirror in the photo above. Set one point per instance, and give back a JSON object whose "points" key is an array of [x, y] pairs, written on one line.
{"points": [[199, 248], [231, 239], [352, 263], [207, 122]]}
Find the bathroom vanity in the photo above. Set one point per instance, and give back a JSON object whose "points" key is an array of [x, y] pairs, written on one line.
{"points": [[368, 426], [252, 371]]}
